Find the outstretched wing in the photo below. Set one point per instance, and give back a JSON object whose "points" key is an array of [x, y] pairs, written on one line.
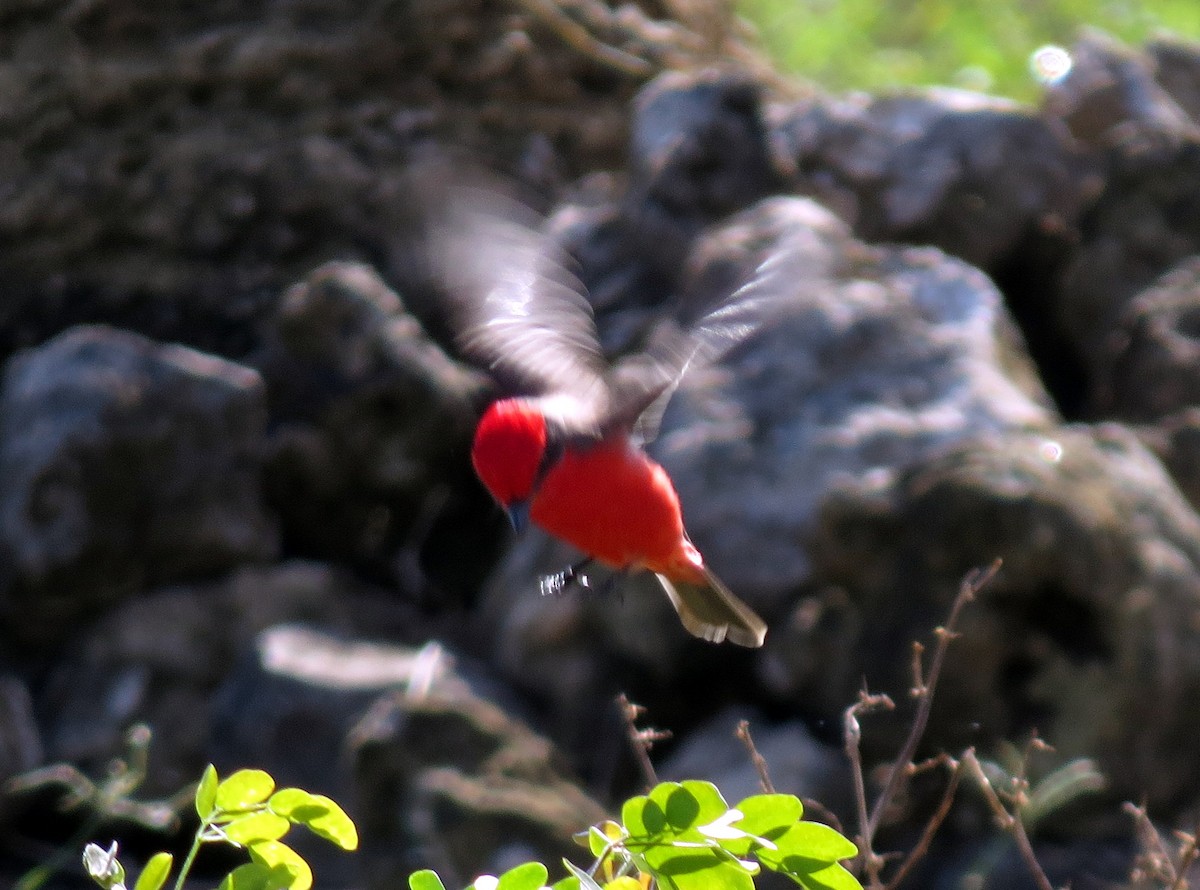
{"points": [[517, 309], [642, 384]]}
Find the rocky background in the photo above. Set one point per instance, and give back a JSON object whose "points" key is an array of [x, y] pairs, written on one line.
{"points": [[235, 499]]}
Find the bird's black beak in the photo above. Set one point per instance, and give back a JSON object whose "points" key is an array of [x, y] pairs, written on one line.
{"points": [[518, 515]]}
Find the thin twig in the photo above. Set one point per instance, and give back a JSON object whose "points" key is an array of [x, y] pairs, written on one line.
{"points": [[640, 740], [852, 735], [1009, 821], [917, 853], [1187, 855], [924, 689], [760, 764], [1154, 859]]}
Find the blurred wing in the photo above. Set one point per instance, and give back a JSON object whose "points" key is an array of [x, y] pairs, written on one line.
{"points": [[642, 384], [518, 311]]}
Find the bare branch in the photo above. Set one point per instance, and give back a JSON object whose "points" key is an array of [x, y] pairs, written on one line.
{"points": [[924, 689], [1153, 861], [1187, 855], [917, 853], [640, 740], [1009, 821], [852, 733], [760, 764]]}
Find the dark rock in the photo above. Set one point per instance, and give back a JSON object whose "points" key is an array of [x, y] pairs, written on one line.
{"points": [[20, 740], [160, 659], [1175, 439], [1110, 98], [171, 171], [980, 177], [1087, 635], [371, 429], [1147, 217], [699, 151], [1153, 366], [125, 464], [1177, 70], [434, 773]]}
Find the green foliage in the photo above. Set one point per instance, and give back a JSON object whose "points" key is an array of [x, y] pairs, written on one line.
{"points": [[244, 811], [683, 836], [866, 44]]}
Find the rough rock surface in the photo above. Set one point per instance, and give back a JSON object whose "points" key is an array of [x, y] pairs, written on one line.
{"points": [[1087, 635], [979, 176], [367, 458], [1153, 364], [125, 463], [161, 658], [172, 169], [452, 778]]}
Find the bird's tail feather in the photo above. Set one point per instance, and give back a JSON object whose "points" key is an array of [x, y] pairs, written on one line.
{"points": [[710, 611]]}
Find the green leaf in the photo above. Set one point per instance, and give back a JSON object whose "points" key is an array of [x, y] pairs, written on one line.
{"points": [[600, 838], [332, 823], [766, 816], [1060, 787], [709, 803], [275, 854], [804, 848], [320, 814], [763, 814], [256, 876], [586, 881], [244, 790], [425, 879], [261, 826], [206, 793], [154, 875], [673, 809], [832, 877], [641, 817], [692, 868], [294, 804], [570, 882], [686, 805], [528, 876]]}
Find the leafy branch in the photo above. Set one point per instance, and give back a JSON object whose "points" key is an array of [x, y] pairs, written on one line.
{"points": [[243, 811], [684, 836]]}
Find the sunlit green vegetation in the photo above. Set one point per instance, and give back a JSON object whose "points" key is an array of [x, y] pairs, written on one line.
{"points": [[980, 44]]}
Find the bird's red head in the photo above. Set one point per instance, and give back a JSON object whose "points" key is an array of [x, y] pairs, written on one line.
{"points": [[510, 443]]}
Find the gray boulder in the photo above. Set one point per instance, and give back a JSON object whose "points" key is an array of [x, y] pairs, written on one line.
{"points": [[124, 464], [1086, 635]]}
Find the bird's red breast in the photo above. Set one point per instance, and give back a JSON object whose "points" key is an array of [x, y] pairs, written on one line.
{"points": [[615, 504]]}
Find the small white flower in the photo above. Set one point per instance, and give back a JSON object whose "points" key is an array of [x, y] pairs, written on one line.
{"points": [[102, 866], [486, 882]]}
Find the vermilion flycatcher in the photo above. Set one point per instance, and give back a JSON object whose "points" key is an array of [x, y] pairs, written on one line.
{"points": [[564, 452]]}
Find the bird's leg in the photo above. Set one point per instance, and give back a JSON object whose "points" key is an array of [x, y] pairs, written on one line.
{"points": [[557, 584]]}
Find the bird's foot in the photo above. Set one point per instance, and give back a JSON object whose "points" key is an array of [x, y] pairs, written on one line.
{"points": [[558, 583]]}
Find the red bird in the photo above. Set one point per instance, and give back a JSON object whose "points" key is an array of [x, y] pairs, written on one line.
{"points": [[564, 454]]}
